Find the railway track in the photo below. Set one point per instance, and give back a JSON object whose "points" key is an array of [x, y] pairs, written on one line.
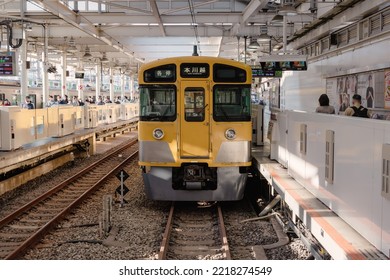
{"points": [[27, 225], [194, 233]]}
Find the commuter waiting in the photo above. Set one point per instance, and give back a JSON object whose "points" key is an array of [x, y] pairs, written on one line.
{"points": [[357, 110], [324, 107]]}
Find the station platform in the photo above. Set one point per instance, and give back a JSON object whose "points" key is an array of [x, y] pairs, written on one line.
{"points": [[38, 151], [339, 239]]}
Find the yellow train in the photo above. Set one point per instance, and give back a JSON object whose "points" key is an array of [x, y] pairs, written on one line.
{"points": [[195, 128]]}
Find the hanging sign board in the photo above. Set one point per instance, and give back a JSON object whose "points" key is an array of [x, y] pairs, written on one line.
{"points": [[7, 64]]}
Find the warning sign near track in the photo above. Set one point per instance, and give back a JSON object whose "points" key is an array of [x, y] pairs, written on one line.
{"points": [[122, 175], [122, 190]]}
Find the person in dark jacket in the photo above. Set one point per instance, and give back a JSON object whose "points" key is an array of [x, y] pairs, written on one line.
{"points": [[357, 110]]}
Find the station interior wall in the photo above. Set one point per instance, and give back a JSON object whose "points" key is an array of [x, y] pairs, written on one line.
{"points": [[300, 90], [356, 192]]}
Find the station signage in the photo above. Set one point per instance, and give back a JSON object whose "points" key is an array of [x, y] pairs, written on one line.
{"points": [[258, 72], [79, 75], [7, 64], [283, 63], [194, 70]]}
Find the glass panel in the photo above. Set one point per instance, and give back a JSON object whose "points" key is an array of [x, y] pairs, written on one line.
{"points": [[93, 6], [232, 103], [194, 104], [82, 5], [158, 103]]}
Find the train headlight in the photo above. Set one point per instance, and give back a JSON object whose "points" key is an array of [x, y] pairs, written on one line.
{"points": [[230, 134], [158, 133]]}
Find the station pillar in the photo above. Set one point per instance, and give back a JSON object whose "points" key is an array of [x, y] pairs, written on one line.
{"points": [[111, 84], [80, 88], [131, 87], [99, 72], [63, 74], [45, 65], [23, 70], [123, 82]]}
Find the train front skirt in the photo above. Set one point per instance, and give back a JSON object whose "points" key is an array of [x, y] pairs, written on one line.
{"points": [[230, 186]]}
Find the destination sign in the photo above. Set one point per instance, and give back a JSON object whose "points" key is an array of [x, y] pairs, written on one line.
{"points": [[7, 64], [164, 73], [194, 70]]}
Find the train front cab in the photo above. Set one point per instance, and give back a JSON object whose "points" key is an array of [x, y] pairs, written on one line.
{"points": [[195, 138]]}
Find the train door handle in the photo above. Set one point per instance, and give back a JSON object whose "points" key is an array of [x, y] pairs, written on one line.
{"points": [[206, 124]]}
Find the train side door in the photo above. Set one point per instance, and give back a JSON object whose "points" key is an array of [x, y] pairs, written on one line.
{"points": [[195, 119]]}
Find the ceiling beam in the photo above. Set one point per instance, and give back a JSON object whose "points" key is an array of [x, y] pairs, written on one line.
{"points": [[115, 5], [157, 16], [72, 18], [188, 7], [251, 8], [350, 14]]}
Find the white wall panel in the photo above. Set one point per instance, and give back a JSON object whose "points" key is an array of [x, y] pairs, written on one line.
{"points": [[355, 194], [302, 89]]}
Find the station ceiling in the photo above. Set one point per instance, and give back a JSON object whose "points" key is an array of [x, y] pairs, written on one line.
{"points": [[133, 32]]}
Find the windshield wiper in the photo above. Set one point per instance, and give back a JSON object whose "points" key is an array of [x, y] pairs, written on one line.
{"points": [[223, 112], [166, 110]]}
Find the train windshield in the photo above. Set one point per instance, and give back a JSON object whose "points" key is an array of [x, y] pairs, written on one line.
{"points": [[232, 103], [158, 103]]}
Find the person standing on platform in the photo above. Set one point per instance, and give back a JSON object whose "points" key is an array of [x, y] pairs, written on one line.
{"points": [[324, 107], [107, 100], [357, 110], [51, 101], [100, 101], [60, 100], [28, 104], [75, 101]]}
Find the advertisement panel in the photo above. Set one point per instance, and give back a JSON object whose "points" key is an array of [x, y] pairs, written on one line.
{"points": [[387, 89]]}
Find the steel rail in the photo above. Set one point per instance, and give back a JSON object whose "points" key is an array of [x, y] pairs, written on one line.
{"points": [[222, 231], [168, 229], [167, 234], [37, 236], [12, 216]]}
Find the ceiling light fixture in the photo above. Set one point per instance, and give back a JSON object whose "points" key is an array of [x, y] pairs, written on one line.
{"points": [[277, 19], [104, 58], [72, 46], [253, 45], [87, 54], [288, 8], [264, 37]]}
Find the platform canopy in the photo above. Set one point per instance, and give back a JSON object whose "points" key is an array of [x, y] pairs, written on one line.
{"points": [[133, 32]]}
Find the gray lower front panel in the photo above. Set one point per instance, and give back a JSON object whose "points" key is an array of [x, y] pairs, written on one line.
{"points": [[158, 186]]}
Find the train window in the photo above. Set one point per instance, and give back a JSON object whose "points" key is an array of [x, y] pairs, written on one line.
{"points": [[164, 73], [228, 74], [194, 104], [158, 103], [231, 103]]}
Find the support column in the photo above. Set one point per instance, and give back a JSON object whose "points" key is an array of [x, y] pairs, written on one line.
{"points": [[23, 70], [45, 64], [63, 74], [123, 83], [99, 75], [80, 87], [284, 34], [111, 84], [131, 86]]}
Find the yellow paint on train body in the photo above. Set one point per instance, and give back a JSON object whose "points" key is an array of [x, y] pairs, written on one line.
{"points": [[185, 112]]}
